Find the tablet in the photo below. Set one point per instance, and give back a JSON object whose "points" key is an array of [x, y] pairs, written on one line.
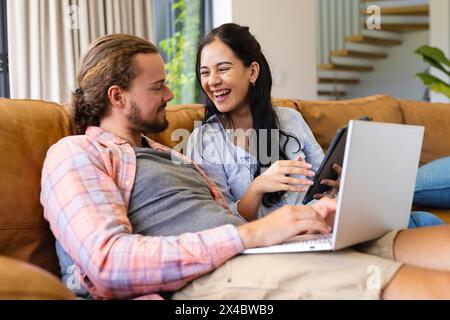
{"points": [[335, 154]]}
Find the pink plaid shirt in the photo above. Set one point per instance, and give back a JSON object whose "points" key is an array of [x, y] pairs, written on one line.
{"points": [[86, 188]]}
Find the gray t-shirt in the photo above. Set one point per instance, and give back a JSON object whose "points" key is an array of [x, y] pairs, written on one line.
{"points": [[171, 199]]}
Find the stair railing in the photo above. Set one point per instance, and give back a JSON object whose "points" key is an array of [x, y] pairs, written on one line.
{"points": [[336, 20]]}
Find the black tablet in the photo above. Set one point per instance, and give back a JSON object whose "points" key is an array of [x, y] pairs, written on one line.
{"points": [[335, 154]]}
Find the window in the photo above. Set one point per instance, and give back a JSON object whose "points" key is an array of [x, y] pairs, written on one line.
{"points": [[4, 74], [180, 25]]}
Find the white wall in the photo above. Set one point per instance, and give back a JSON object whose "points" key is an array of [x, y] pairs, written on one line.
{"points": [[222, 12], [440, 36], [286, 31], [395, 75]]}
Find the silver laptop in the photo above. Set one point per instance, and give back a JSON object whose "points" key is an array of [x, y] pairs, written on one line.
{"points": [[377, 186]]}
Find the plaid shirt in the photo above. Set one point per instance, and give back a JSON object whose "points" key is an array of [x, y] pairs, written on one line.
{"points": [[86, 188]]}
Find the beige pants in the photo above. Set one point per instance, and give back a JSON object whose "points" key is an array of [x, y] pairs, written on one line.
{"points": [[358, 273]]}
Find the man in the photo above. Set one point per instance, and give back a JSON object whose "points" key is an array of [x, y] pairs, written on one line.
{"points": [[137, 224]]}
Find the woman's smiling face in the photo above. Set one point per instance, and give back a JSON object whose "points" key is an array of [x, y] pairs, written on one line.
{"points": [[224, 77]]}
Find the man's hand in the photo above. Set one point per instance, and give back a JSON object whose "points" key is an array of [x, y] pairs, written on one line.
{"points": [[326, 207], [334, 184], [287, 222]]}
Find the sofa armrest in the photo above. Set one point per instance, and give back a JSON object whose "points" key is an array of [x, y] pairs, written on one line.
{"points": [[444, 214], [20, 280]]}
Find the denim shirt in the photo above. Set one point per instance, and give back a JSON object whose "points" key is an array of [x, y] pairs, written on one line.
{"points": [[233, 168]]}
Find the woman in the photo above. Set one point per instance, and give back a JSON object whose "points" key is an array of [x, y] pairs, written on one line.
{"points": [[259, 155]]}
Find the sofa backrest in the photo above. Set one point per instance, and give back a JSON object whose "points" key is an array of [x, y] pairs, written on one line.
{"points": [[325, 117], [27, 129], [435, 117], [179, 117], [184, 116]]}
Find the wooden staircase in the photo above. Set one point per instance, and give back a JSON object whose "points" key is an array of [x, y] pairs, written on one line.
{"points": [[362, 50], [343, 67], [358, 54], [418, 10], [376, 41]]}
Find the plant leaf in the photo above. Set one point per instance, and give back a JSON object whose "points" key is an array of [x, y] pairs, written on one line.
{"points": [[435, 84], [440, 88], [434, 53], [429, 79], [435, 57], [436, 65]]}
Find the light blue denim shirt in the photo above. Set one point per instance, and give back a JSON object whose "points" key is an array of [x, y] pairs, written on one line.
{"points": [[233, 168]]}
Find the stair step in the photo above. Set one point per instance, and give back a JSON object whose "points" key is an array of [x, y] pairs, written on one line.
{"points": [[338, 74], [418, 10], [407, 27], [381, 34], [397, 3], [363, 47], [337, 67], [331, 87], [338, 81], [332, 93], [358, 54], [350, 61], [373, 40], [398, 19]]}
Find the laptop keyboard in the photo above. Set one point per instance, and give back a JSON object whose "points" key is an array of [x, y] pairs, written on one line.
{"points": [[297, 244]]}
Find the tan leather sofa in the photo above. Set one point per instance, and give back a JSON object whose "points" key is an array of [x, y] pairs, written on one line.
{"points": [[28, 128]]}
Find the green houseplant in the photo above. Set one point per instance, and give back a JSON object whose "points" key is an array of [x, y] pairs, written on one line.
{"points": [[180, 50], [437, 59]]}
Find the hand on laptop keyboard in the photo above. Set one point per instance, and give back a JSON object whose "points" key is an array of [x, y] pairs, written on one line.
{"points": [[327, 209], [286, 223]]}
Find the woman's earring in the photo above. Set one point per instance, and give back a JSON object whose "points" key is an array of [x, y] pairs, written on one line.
{"points": [[253, 83]]}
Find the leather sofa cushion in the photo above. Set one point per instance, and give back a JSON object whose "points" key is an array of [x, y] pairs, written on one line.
{"points": [[325, 117], [181, 118], [19, 280], [289, 103], [27, 129], [435, 117]]}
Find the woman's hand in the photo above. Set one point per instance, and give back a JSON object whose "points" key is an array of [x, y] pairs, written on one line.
{"points": [[287, 222], [276, 178], [334, 184]]}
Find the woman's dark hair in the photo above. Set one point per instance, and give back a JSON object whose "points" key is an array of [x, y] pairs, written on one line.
{"points": [[248, 50], [109, 61]]}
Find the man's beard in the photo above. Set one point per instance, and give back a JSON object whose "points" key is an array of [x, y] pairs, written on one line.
{"points": [[140, 124]]}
